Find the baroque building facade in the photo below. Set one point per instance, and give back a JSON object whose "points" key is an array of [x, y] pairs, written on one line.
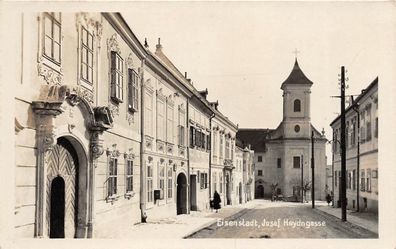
{"points": [[282, 156], [108, 133], [361, 137]]}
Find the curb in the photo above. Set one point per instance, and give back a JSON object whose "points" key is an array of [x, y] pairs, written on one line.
{"points": [[211, 223]]}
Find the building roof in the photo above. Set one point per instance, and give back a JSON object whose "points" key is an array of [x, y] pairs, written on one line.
{"points": [[255, 137], [297, 77], [355, 102]]}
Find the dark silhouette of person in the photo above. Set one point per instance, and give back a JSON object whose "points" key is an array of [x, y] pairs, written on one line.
{"points": [[216, 201]]}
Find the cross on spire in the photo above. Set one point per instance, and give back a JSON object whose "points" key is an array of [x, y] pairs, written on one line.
{"points": [[295, 52]]}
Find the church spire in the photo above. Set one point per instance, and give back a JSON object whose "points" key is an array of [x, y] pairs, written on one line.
{"points": [[296, 76]]}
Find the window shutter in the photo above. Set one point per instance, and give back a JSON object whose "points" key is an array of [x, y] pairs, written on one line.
{"points": [[130, 89], [135, 91]]}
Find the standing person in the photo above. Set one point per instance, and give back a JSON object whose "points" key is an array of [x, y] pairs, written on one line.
{"points": [[216, 201]]}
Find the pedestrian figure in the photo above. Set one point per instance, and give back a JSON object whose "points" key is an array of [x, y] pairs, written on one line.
{"points": [[216, 201], [328, 199]]}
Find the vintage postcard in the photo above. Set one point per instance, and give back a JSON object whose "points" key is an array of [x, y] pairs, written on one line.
{"points": [[198, 124]]}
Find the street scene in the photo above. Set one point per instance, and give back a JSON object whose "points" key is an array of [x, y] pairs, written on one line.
{"points": [[216, 122]]}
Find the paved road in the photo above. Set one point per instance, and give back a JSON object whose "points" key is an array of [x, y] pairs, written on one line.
{"points": [[282, 220]]}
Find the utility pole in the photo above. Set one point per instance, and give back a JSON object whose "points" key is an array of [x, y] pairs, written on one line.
{"points": [[302, 179], [343, 152], [313, 170]]}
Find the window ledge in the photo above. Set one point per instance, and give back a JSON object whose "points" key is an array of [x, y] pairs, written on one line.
{"points": [[129, 195], [112, 198]]}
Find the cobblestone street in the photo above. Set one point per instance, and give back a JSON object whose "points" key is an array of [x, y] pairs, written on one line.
{"points": [[282, 220]]}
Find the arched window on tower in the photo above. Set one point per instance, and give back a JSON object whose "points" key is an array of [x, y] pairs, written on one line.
{"points": [[297, 105]]}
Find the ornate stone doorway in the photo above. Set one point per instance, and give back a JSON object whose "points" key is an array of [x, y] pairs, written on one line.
{"points": [[62, 190], [181, 197]]}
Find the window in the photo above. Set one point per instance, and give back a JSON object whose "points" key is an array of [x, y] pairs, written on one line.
{"points": [[133, 92], [169, 124], [214, 143], [192, 136], [148, 114], [160, 120], [376, 128], [349, 186], [52, 37], [260, 173], [221, 146], [368, 123], [181, 129], [362, 127], [296, 162], [354, 179], [227, 148], [112, 179], [362, 181], [335, 178], [297, 105], [214, 177], [161, 180], [353, 132], [170, 183], [208, 142], [150, 183], [259, 158], [204, 180], [347, 134], [86, 56], [279, 163], [117, 77], [129, 176], [368, 180]]}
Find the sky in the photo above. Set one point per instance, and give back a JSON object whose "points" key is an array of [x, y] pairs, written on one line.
{"points": [[243, 51]]}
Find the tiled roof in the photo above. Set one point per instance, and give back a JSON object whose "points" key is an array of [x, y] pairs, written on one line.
{"points": [[255, 137]]}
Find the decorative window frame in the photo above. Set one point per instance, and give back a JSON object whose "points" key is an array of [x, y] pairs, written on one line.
{"points": [[112, 154], [113, 47], [131, 85], [129, 157], [49, 70]]}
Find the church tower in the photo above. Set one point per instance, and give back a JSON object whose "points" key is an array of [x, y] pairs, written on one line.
{"points": [[296, 104]]}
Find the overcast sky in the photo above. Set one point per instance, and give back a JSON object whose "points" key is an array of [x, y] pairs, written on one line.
{"points": [[242, 52]]}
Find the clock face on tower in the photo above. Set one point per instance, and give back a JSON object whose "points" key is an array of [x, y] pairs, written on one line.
{"points": [[297, 128]]}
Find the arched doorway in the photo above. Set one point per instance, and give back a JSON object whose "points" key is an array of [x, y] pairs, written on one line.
{"points": [[260, 192], [57, 208], [181, 205], [66, 190], [240, 193]]}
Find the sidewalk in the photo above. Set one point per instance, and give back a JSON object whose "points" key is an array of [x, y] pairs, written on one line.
{"points": [[366, 220], [179, 226]]}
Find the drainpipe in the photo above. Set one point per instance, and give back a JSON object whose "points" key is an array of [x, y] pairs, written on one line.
{"points": [[210, 157], [356, 109], [188, 160], [142, 168]]}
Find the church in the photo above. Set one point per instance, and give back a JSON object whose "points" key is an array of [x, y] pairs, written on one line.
{"points": [[283, 155]]}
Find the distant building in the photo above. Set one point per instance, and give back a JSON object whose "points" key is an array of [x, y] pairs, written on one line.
{"points": [[361, 151], [280, 154]]}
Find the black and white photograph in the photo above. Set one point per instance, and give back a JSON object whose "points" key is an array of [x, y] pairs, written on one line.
{"points": [[198, 124]]}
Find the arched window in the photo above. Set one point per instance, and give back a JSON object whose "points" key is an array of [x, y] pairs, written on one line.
{"points": [[297, 105]]}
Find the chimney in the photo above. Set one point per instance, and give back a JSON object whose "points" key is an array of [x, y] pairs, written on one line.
{"points": [[158, 46], [204, 93], [215, 104]]}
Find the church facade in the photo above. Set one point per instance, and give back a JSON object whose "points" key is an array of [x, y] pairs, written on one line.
{"points": [[282, 156]]}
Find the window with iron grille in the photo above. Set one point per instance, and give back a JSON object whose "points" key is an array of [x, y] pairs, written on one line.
{"points": [[161, 181], [117, 77], [52, 37], [112, 179], [170, 183], [86, 56], [150, 183], [129, 176], [133, 92], [296, 162]]}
